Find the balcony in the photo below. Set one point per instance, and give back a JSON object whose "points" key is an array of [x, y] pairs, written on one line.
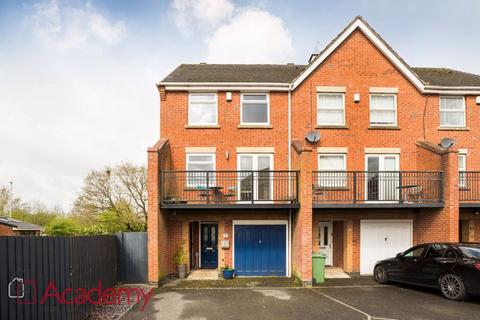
{"points": [[229, 189], [377, 189], [469, 186]]}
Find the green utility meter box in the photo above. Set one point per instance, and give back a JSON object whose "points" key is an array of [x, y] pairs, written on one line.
{"points": [[318, 267]]}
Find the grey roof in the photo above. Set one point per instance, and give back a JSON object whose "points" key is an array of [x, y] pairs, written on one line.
{"points": [[447, 77], [277, 73], [287, 73], [257, 73], [19, 224]]}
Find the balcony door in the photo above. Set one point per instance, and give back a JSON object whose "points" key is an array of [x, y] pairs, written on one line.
{"points": [[382, 178], [256, 185]]}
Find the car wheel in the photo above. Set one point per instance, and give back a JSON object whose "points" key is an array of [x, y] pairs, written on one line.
{"points": [[452, 287], [380, 274]]}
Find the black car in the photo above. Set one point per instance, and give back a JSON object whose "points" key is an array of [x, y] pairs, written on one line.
{"points": [[454, 268]]}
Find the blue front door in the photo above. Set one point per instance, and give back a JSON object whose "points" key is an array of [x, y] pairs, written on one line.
{"points": [[260, 250], [209, 252]]}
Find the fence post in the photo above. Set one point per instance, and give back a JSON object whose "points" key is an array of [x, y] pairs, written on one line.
{"points": [[354, 187], [253, 186], [400, 193], [297, 174], [162, 181], [442, 187], [208, 187]]}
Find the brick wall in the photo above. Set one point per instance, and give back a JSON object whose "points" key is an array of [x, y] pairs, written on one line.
{"points": [[358, 65], [6, 231], [228, 136], [178, 229]]}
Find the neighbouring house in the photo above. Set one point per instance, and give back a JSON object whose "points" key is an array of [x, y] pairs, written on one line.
{"points": [[258, 166], [11, 227]]}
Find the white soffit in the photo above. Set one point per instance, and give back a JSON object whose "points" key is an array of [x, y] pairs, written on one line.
{"points": [[367, 31]]}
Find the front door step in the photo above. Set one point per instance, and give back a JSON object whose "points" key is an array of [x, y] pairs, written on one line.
{"points": [[335, 273], [203, 274]]}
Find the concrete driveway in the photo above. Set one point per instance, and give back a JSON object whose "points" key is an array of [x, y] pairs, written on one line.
{"points": [[333, 302]]}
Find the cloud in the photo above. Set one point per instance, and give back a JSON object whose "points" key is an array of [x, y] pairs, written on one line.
{"points": [[200, 14], [232, 33], [69, 27], [252, 36]]}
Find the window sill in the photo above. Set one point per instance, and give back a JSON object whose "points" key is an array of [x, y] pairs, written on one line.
{"points": [[331, 127], [383, 128], [453, 129], [255, 126], [202, 126]]}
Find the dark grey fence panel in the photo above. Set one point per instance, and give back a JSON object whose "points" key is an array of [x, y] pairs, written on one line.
{"points": [[133, 257], [67, 262]]}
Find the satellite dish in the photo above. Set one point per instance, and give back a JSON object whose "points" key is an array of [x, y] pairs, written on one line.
{"points": [[312, 136], [447, 142]]}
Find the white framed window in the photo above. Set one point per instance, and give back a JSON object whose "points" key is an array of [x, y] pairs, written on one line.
{"points": [[462, 167], [202, 109], [383, 109], [255, 109], [330, 167], [330, 109], [255, 177], [200, 162], [452, 111]]}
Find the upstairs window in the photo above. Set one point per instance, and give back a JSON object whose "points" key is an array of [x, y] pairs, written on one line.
{"points": [[383, 110], [255, 109], [202, 109], [452, 111], [331, 109], [197, 164]]}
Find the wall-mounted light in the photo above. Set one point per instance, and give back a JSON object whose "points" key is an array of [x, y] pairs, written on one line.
{"points": [[356, 97], [227, 155], [229, 96]]}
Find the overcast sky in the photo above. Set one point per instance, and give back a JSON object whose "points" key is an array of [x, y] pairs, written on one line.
{"points": [[77, 78]]}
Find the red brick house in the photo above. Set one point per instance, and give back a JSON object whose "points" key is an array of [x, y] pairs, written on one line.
{"points": [[12, 227], [235, 180]]}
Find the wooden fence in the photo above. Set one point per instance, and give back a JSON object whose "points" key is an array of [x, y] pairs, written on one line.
{"points": [[133, 262], [65, 262]]}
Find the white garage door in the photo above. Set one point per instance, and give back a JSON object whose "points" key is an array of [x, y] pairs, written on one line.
{"points": [[382, 239]]}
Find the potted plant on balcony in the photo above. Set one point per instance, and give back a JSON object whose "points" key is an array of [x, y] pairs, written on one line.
{"points": [[179, 259], [228, 273]]}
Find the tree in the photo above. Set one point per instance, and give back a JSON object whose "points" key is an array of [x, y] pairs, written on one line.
{"points": [[62, 227], [7, 204], [115, 195], [37, 213]]}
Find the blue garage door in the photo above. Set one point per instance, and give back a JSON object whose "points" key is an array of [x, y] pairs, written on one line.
{"points": [[260, 250]]}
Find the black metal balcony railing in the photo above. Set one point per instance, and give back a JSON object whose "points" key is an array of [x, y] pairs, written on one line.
{"points": [[369, 187], [229, 187], [469, 185]]}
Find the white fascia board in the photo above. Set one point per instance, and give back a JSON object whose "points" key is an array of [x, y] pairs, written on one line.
{"points": [[452, 91], [226, 88], [376, 41]]}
